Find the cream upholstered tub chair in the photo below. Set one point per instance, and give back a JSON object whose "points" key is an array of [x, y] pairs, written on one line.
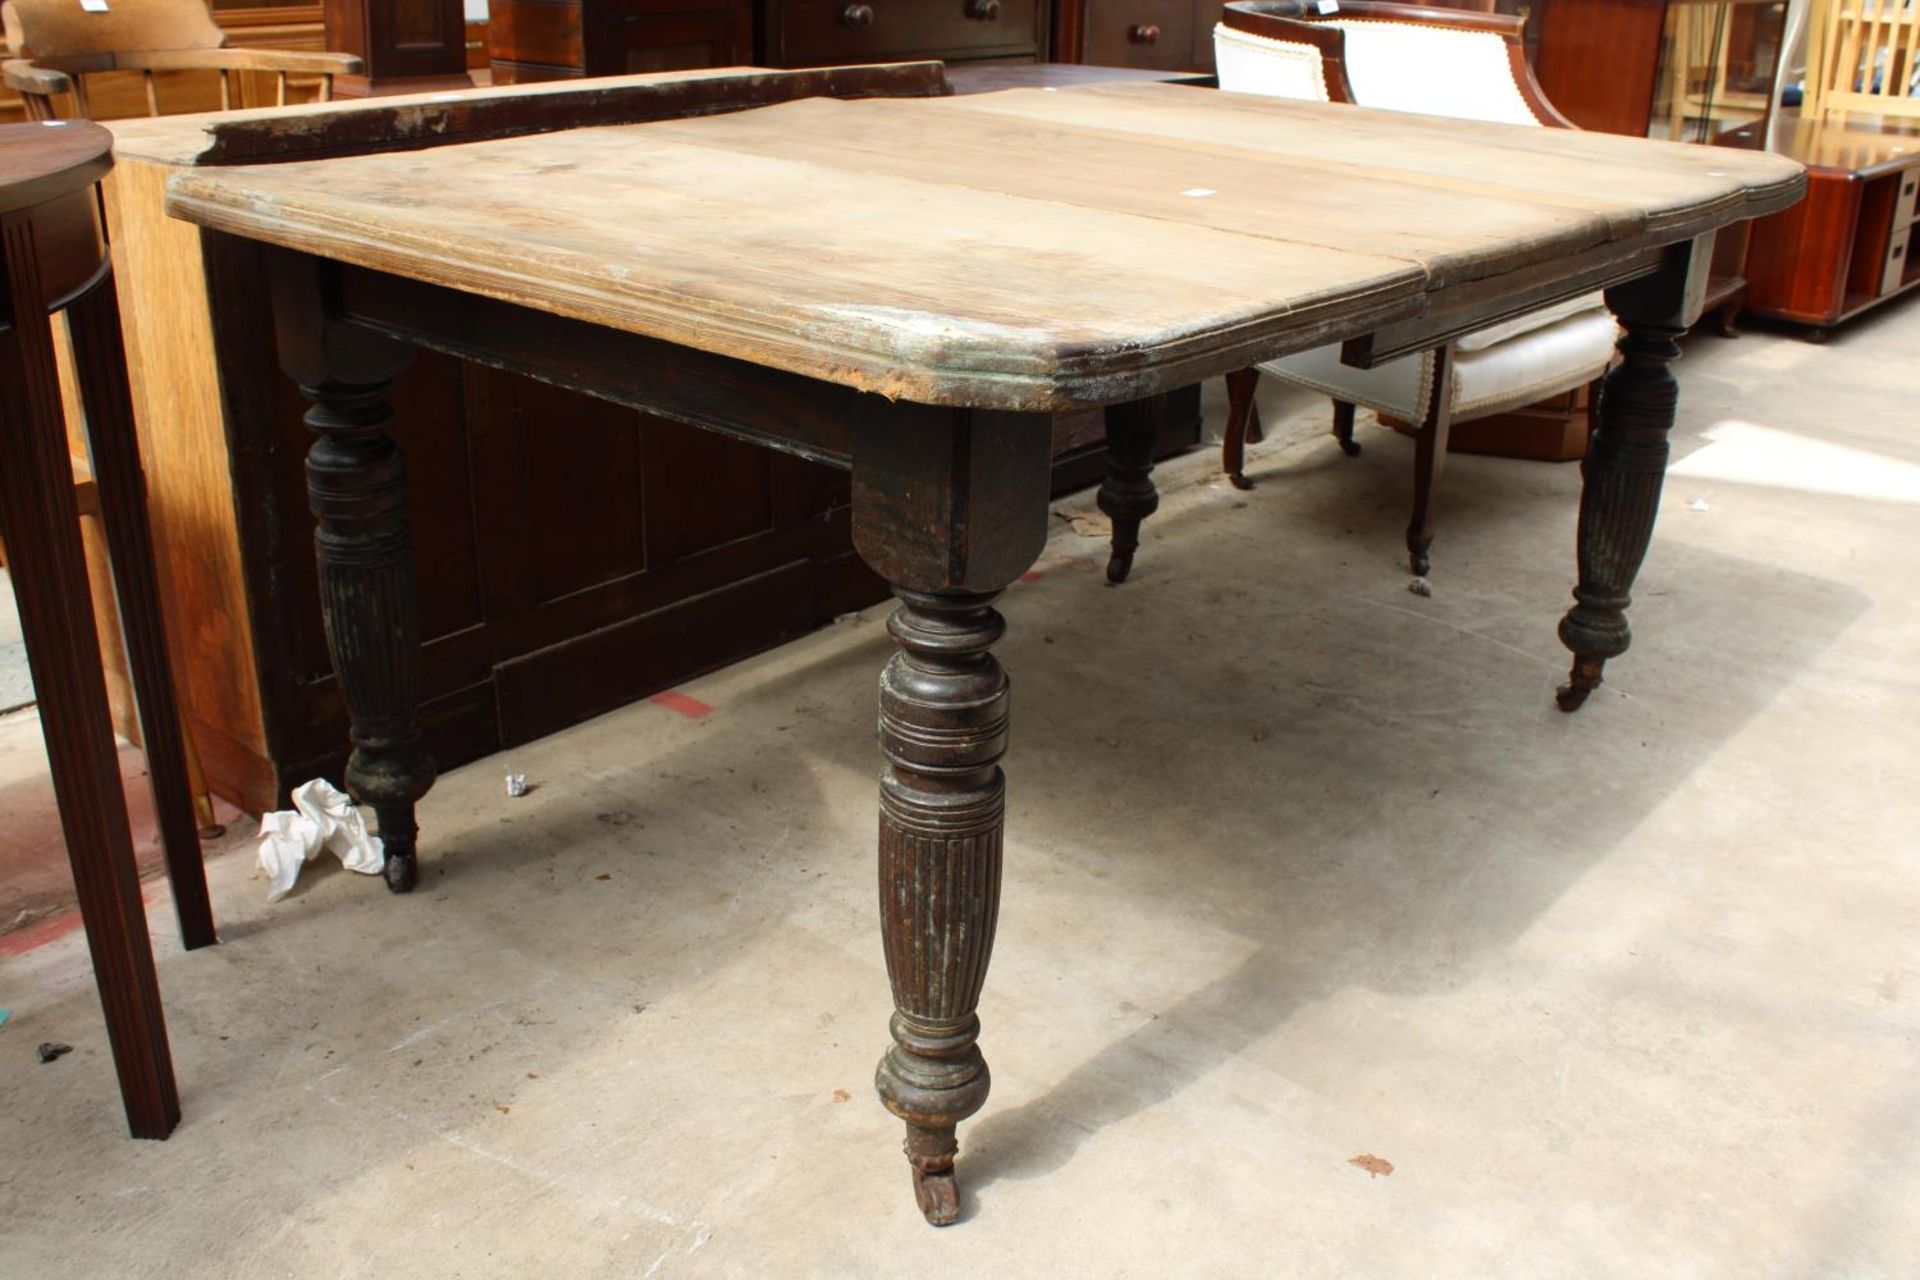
{"points": [[1448, 61]]}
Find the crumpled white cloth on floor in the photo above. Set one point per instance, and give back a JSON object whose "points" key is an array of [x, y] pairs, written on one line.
{"points": [[322, 817]]}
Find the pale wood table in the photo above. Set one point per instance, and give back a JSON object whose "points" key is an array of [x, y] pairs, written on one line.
{"points": [[908, 286]]}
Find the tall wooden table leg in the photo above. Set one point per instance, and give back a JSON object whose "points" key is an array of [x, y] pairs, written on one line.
{"points": [[1627, 461], [94, 321], [943, 729], [40, 523], [1127, 494], [369, 599], [1429, 458]]}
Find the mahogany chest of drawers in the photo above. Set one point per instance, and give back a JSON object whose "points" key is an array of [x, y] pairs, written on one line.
{"points": [[1160, 35], [553, 39]]}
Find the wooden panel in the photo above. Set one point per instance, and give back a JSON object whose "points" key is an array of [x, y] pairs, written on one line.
{"points": [[177, 408], [1598, 60], [1797, 260], [537, 31], [399, 39], [675, 36], [1873, 242], [1206, 16]]}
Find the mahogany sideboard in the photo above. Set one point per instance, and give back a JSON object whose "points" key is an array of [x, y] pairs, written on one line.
{"points": [[564, 573]]}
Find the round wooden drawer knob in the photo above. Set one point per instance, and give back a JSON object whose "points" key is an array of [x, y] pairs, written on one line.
{"points": [[857, 15], [1146, 33], [984, 10]]}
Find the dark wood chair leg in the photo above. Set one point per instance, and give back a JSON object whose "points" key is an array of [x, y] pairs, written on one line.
{"points": [[1241, 411], [40, 523], [100, 366], [1343, 415], [369, 599], [943, 729], [1429, 460], [1127, 496], [1626, 464]]}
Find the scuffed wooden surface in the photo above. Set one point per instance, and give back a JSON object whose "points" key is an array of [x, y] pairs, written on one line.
{"points": [[1021, 250]]}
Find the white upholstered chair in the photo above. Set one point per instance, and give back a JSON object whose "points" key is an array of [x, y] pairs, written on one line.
{"points": [[1458, 61]]}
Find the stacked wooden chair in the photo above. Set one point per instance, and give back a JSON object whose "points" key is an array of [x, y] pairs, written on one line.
{"points": [[55, 46], [1864, 59], [1431, 60]]}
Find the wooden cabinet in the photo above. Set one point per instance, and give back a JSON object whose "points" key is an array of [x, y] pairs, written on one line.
{"points": [[548, 39], [1160, 35], [806, 33], [400, 40], [1850, 245], [559, 39]]}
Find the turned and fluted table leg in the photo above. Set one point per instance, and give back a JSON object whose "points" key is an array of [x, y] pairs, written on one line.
{"points": [[369, 599], [1627, 462], [943, 728], [978, 521], [1127, 495]]}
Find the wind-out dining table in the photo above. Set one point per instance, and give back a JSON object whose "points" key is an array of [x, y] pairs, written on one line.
{"points": [[853, 267]]}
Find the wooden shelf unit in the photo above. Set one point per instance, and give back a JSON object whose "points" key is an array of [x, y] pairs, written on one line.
{"points": [[1850, 245]]}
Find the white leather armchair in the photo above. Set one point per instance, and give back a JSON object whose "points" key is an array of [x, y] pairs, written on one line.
{"points": [[1450, 62]]}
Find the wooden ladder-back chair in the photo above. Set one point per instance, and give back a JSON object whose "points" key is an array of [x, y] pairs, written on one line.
{"points": [[55, 45], [1865, 59], [1433, 60]]}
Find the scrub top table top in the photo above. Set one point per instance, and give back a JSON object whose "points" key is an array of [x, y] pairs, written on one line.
{"points": [[909, 284]]}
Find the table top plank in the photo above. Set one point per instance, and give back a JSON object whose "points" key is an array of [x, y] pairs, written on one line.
{"points": [[1449, 229], [999, 250], [1676, 188]]}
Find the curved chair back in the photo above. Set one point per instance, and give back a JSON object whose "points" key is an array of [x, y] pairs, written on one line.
{"points": [[55, 44], [62, 29], [1436, 59]]}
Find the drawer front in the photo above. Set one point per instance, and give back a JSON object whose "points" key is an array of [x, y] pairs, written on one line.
{"points": [[1154, 34], [813, 33], [537, 32], [1906, 205], [1895, 270]]}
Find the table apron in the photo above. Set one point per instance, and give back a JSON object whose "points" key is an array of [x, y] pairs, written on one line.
{"points": [[1454, 312], [814, 419], [786, 411]]}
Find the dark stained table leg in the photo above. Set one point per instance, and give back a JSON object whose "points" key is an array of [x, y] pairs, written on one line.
{"points": [[94, 322], [1242, 409], [1127, 495], [1429, 459], [40, 522], [1627, 461], [368, 596], [943, 729]]}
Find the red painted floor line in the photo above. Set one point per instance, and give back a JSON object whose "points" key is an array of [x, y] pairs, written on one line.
{"points": [[687, 705], [41, 932]]}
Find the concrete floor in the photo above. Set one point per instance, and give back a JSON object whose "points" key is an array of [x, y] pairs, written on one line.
{"points": [[1301, 868]]}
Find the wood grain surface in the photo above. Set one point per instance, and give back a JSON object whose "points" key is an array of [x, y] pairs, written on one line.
{"points": [[1024, 250]]}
